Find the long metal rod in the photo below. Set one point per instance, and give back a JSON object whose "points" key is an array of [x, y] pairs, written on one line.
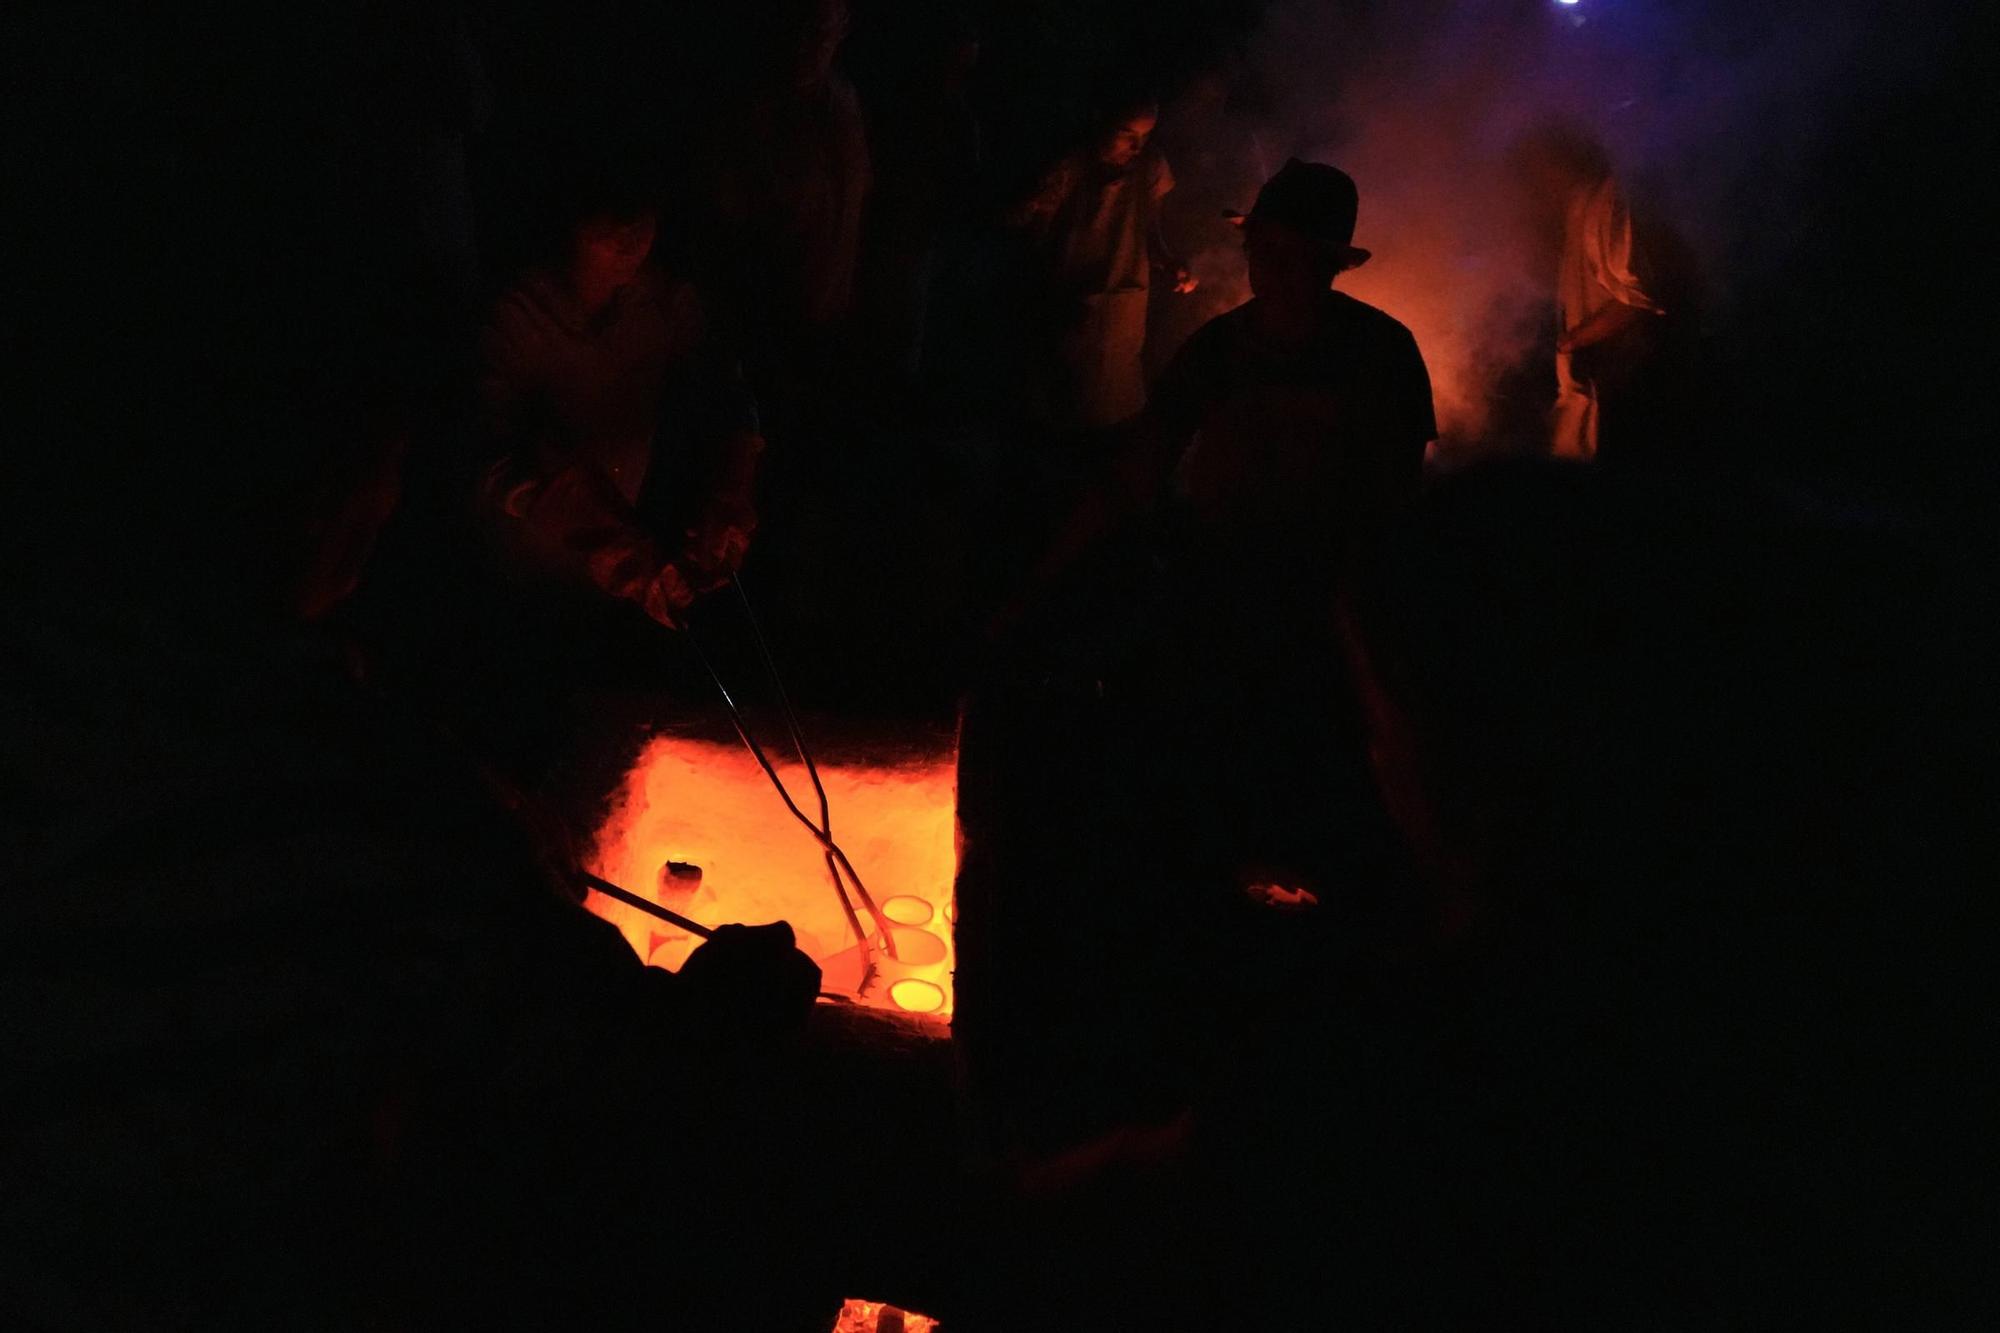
{"points": [[757, 753], [812, 769], [785, 703], [630, 899], [832, 849]]}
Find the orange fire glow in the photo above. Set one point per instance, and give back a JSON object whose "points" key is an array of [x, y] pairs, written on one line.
{"points": [[874, 1317], [707, 803]]}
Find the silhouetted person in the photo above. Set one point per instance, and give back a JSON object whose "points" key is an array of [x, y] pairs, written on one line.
{"points": [[1287, 431], [606, 477], [599, 385], [1173, 722], [1303, 414], [304, 1026], [790, 185], [1608, 311], [924, 140], [1219, 137], [1094, 222]]}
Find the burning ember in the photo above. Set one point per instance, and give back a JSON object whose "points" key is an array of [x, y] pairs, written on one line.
{"points": [[874, 1317], [699, 828]]}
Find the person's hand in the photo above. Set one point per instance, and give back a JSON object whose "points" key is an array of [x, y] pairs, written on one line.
{"points": [[1277, 890], [718, 543], [666, 596], [752, 978]]}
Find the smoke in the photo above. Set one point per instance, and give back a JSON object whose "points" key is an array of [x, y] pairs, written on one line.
{"points": [[1711, 114]]}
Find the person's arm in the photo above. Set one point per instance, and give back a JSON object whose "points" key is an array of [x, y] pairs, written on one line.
{"points": [[1167, 263], [1164, 260], [571, 522], [722, 532], [1038, 210], [1616, 267], [1609, 322], [545, 509], [506, 379], [729, 433]]}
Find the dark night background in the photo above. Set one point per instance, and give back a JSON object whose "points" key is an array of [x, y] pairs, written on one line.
{"points": [[1716, 733], [1833, 214]]}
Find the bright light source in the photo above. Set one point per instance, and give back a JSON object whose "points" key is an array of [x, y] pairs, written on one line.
{"points": [[917, 996], [1566, 2], [907, 910]]}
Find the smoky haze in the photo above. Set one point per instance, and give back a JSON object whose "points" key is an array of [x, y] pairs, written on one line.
{"points": [[1708, 111]]}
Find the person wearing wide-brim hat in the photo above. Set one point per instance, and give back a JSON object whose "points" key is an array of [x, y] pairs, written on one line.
{"points": [[1281, 438], [1318, 202], [1287, 431], [1300, 418], [1303, 411]]}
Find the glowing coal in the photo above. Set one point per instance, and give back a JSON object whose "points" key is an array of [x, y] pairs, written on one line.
{"points": [[875, 1317]]}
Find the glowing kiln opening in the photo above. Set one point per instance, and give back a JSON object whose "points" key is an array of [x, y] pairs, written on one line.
{"points": [[704, 803]]}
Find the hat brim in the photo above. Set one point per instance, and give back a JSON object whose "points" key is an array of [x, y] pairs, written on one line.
{"points": [[1350, 256]]}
